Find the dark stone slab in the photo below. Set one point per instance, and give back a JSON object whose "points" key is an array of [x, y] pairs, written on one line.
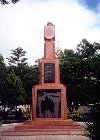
{"points": [[49, 73], [49, 103]]}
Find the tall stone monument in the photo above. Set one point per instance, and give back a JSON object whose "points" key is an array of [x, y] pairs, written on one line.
{"points": [[49, 97], [49, 103]]}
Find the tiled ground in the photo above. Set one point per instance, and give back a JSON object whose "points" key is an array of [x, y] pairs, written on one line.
{"points": [[45, 137]]}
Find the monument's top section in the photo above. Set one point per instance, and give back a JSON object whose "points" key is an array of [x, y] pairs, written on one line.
{"points": [[49, 38], [49, 31], [49, 23]]}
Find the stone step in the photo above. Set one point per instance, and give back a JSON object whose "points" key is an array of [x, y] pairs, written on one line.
{"points": [[32, 132], [19, 127], [49, 122], [45, 127]]}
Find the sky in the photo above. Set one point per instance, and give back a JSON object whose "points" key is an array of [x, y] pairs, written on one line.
{"points": [[22, 25]]}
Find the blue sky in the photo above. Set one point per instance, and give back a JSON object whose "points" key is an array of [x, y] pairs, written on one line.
{"points": [[91, 4], [22, 25]]}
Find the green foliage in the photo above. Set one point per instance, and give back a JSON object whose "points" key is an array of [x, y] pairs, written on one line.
{"points": [[27, 113], [80, 72], [15, 89], [29, 75], [3, 86], [77, 115], [93, 127], [18, 57], [16, 72], [86, 49], [29, 80], [7, 2]]}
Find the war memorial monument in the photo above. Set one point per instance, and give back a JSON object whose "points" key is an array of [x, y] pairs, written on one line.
{"points": [[49, 97]]}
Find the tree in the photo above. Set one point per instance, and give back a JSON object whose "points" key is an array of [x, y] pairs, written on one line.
{"points": [[18, 57], [16, 92], [85, 49], [7, 2], [30, 78], [18, 62], [90, 68], [27, 74], [3, 86], [80, 73], [69, 71]]}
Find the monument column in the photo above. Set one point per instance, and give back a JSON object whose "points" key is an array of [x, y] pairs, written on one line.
{"points": [[49, 97]]}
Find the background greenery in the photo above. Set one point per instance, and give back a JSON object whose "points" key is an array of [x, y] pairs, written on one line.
{"points": [[79, 72]]}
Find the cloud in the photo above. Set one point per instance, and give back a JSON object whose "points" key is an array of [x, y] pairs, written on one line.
{"points": [[23, 25]]}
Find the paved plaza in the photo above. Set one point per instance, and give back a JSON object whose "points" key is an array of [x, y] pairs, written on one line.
{"points": [[45, 137]]}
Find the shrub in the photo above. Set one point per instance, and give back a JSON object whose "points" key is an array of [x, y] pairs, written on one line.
{"points": [[93, 127], [77, 115], [27, 113]]}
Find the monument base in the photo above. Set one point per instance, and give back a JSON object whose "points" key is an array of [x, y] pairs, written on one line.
{"points": [[49, 101], [45, 127]]}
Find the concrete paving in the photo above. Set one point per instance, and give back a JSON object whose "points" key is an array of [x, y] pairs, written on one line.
{"points": [[45, 137]]}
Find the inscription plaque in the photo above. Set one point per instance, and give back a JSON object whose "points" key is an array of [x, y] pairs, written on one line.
{"points": [[48, 103], [49, 73]]}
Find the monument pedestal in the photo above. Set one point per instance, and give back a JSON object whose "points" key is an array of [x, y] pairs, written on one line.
{"points": [[55, 107], [45, 127], [46, 124]]}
